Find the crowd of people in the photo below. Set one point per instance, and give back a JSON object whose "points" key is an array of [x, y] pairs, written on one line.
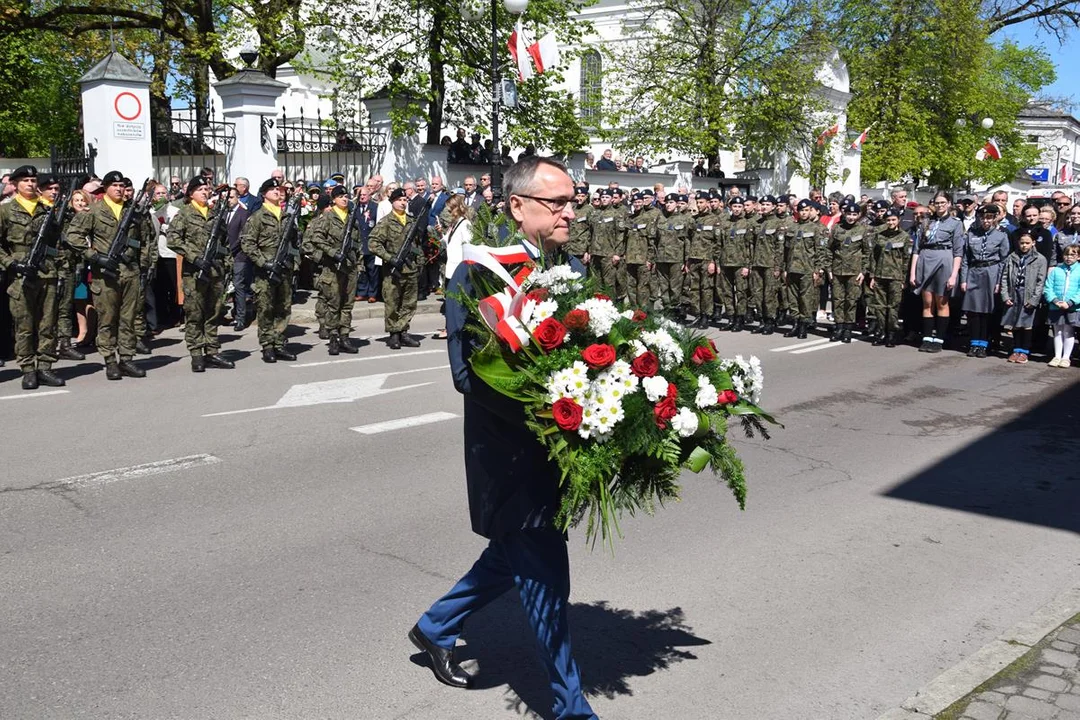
{"points": [[893, 271]]}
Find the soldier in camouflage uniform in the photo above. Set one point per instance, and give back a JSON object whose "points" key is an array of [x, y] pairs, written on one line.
{"points": [[673, 236], [337, 281], [847, 262], [115, 287], [700, 265], [608, 244], [735, 246], [875, 223], [67, 261], [651, 212], [720, 223], [804, 265], [765, 263], [259, 240], [148, 256], [785, 298], [399, 293], [31, 292], [580, 228], [640, 256], [889, 261], [187, 236]]}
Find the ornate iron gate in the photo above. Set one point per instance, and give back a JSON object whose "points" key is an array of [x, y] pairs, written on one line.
{"points": [[311, 150], [185, 143], [72, 161]]}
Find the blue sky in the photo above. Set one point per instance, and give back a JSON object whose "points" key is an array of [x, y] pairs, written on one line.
{"points": [[1066, 57]]}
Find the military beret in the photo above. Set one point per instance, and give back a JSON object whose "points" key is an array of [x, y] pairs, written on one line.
{"points": [[397, 194], [822, 208], [881, 205], [701, 195], [635, 197], [23, 172], [646, 193], [671, 197], [127, 182], [850, 208], [684, 198], [113, 176], [269, 185], [46, 180], [617, 191], [737, 200], [581, 190], [195, 183], [338, 191], [894, 212], [606, 191], [768, 199], [751, 199], [803, 204]]}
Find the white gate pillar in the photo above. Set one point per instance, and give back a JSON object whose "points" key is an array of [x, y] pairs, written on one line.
{"points": [[116, 117], [249, 100]]}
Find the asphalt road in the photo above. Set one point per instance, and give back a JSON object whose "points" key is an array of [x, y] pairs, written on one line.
{"points": [[271, 562]]}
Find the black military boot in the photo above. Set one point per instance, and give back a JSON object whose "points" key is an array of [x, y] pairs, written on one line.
{"points": [[334, 348], [894, 339], [769, 327], [794, 331], [66, 352], [837, 330], [269, 356], [717, 317], [283, 354], [112, 370], [48, 377], [347, 346], [29, 380], [804, 327], [881, 338], [845, 334], [738, 324], [324, 334], [216, 361], [130, 369], [394, 341], [408, 340], [141, 347], [198, 363]]}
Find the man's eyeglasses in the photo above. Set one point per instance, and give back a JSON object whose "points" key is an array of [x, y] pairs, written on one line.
{"points": [[555, 205], [1062, 203]]}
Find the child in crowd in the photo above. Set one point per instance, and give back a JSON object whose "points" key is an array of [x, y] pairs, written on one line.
{"points": [[1062, 294], [1021, 289]]}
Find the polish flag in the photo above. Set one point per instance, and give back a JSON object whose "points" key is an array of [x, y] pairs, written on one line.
{"points": [[858, 143], [828, 133], [545, 53], [520, 51], [1065, 175], [991, 150]]}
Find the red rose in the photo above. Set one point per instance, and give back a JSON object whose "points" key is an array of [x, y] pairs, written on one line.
{"points": [[664, 411], [702, 354], [537, 295], [672, 391], [645, 365], [567, 414], [599, 296], [577, 319], [598, 356], [550, 334], [639, 316], [727, 397]]}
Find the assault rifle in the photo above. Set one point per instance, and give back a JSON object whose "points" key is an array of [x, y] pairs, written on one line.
{"points": [[412, 240], [110, 262], [288, 242], [47, 240], [217, 232], [347, 236]]}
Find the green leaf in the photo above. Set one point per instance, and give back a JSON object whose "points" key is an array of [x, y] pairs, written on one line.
{"points": [[698, 459]]}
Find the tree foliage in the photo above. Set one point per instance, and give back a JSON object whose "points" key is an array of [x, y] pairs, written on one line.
{"points": [[711, 75]]}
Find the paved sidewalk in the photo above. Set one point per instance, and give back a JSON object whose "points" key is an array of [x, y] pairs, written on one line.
{"points": [[303, 310]]}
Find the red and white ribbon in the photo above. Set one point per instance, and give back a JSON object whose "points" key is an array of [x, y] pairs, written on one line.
{"points": [[501, 311]]}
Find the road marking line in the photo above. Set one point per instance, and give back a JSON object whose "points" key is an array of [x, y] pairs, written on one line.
{"points": [[826, 346], [800, 345], [129, 473], [370, 357], [34, 395], [402, 423]]}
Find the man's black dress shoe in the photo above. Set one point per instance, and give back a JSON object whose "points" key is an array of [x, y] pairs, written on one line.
{"points": [[442, 661], [216, 361]]}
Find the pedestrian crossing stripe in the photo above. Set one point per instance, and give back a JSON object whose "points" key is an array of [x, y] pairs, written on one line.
{"points": [[799, 346]]}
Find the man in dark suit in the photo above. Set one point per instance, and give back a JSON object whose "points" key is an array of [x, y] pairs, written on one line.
{"points": [[513, 486], [243, 270]]}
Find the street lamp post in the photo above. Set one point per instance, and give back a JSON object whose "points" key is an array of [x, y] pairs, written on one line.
{"points": [[515, 7], [1057, 161]]}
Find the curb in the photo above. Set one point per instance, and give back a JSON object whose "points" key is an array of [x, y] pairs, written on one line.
{"points": [[304, 313], [959, 680]]}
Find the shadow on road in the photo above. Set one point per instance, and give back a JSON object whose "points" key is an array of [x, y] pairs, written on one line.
{"points": [[1024, 470], [611, 645]]}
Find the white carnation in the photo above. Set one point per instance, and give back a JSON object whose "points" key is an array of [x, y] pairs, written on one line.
{"points": [[706, 394], [655, 388], [685, 422]]}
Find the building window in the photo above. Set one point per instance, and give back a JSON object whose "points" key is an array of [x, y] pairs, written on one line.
{"points": [[1033, 139], [592, 71]]}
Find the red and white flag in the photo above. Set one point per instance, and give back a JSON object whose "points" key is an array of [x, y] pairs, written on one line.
{"points": [[543, 54], [519, 50], [991, 150], [828, 133], [1064, 174], [858, 143]]}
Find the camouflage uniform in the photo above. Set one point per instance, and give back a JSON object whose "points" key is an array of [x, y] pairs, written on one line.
{"points": [[337, 286], [890, 257], [188, 234], [735, 247], [673, 239], [273, 301], [848, 257], [608, 239], [701, 252], [580, 231], [806, 256], [399, 294], [765, 260], [32, 299], [640, 254]]}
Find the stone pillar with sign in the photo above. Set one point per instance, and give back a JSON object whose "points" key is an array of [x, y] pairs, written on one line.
{"points": [[116, 117], [249, 100]]}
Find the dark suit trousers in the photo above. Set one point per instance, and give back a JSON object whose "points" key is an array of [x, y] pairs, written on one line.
{"points": [[534, 560], [367, 284], [243, 276]]}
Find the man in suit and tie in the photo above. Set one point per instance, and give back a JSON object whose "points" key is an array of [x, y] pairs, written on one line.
{"points": [[243, 270], [513, 487]]}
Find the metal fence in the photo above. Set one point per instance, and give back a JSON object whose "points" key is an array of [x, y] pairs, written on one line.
{"points": [[185, 143], [311, 149], [73, 161]]}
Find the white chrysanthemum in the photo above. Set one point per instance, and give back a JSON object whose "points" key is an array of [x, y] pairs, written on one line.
{"points": [[602, 315], [685, 422], [668, 351], [747, 378], [559, 280], [638, 348], [655, 388], [706, 394]]}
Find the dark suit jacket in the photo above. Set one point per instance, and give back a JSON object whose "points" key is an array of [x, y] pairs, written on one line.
{"points": [[236, 226], [511, 482]]}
